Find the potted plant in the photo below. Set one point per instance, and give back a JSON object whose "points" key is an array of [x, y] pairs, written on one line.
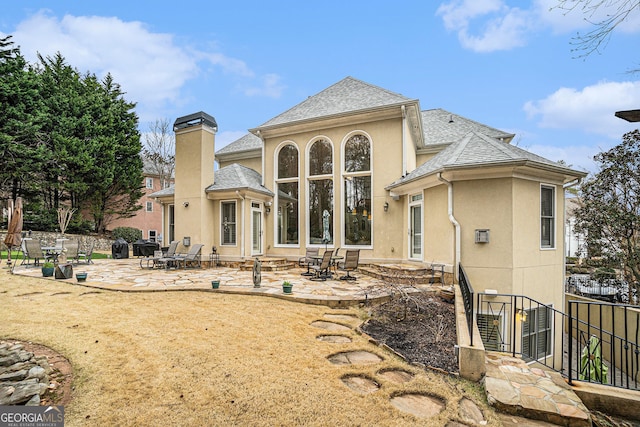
{"points": [[287, 287], [81, 276], [47, 269]]}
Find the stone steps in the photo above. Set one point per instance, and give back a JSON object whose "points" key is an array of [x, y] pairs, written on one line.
{"points": [[401, 273], [269, 264], [515, 388]]}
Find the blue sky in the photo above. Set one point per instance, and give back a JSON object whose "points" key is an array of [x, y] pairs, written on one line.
{"points": [[508, 64]]}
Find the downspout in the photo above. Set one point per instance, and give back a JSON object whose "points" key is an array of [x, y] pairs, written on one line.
{"points": [[404, 142], [242, 225], [455, 223]]}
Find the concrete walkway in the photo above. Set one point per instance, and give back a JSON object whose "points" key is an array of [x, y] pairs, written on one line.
{"points": [[127, 275]]}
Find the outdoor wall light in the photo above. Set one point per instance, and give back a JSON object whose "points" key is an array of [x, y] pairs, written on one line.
{"points": [[386, 206], [185, 204], [521, 315]]}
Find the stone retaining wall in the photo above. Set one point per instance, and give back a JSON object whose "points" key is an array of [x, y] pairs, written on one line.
{"points": [[23, 376], [49, 239]]}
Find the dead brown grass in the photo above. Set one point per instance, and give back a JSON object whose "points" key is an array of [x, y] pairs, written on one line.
{"points": [[196, 358]]}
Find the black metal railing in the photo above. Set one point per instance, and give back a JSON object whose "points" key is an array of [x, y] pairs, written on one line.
{"points": [[522, 326], [467, 297], [603, 343]]}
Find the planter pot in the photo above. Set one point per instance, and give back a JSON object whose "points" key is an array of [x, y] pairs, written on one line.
{"points": [[287, 289], [47, 271], [215, 284], [81, 277]]}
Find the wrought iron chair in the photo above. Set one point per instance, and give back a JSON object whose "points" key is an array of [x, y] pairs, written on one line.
{"points": [[322, 271]]}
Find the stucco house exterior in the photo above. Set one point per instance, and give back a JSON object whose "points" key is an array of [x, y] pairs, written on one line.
{"points": [[402, 184]]}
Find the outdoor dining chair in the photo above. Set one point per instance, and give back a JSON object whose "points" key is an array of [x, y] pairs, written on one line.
{"points": [[351, 259], [323, 270], [71, 248], [308, 260], [86, 255], [34, 251]]}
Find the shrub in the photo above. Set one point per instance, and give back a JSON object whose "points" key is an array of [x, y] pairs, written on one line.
{"points": [[572, 260], [129, 234], [603, 274]]}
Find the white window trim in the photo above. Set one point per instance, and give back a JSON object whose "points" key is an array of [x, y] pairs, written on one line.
{"points": [[228, 245], [155, 235], [308, 179], [148, 206], [554, 244], [148, 180], [343, 175], [277, 181]]}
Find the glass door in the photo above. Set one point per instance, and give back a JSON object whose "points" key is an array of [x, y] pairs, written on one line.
{"points": [[415, 227], [256, 229]]}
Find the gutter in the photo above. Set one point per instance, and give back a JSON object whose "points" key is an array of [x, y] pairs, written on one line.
{"points": [[404, 142], [455, 223]]}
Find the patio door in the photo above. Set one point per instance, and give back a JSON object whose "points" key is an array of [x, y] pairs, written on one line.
{"points": [[256, 229], [415, 227]]}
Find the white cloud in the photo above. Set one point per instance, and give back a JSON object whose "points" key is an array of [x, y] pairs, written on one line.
{"points": [[271, 87], [579, 157], [501, 27], [590, 109], [152, 68]]}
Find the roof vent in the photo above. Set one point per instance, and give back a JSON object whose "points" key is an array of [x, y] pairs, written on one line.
{"points": [[195, 119], [450, 118]]}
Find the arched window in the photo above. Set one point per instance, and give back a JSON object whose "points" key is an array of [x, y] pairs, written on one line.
{"points": [[320, 192], [357, 191], [287, 186]]}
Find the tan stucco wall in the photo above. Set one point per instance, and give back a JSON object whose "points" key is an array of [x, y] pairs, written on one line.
{"points": [[486, 204], [254, 163], [439, 233], [194, 172], [385, 136]]}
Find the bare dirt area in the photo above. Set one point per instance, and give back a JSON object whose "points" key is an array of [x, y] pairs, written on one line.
{"points": [[421, 327]]}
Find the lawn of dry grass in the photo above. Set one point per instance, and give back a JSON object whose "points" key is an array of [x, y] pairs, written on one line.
{"points": [[198, 358]]}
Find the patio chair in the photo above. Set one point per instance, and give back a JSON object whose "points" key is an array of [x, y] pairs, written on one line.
{"points": [[335, 259], [351, 259], [192, 258], [24, 252], [322, 271], [86, 255], [168, 259], [34, 251], [71, 248], [308, 260]]}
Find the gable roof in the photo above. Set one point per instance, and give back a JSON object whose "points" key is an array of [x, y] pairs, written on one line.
{"points": [[238, 177], [443, 127], [346, 96], [248, 142], [165, 192], [478, 150]]}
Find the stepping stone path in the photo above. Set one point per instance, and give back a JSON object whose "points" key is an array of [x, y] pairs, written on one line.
{"points": [[416, 404]]}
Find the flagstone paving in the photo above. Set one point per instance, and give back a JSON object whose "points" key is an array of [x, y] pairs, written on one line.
{"points": [[126, 275]]}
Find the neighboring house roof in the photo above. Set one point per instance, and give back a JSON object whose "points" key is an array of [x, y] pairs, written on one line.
{"points": [[443, 127], [165, 192], [248, 142], [346, 96], [238, 177], [478, 150]]}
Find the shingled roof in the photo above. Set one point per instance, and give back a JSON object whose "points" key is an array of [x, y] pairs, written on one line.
{"points": [[346, 96], [248, 142], [443, 127], [478, 150], [238, 177]]}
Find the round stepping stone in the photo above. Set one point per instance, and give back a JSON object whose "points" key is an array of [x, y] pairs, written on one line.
{"points": [[419, 405], [335, 339], [330, 326], [341, 317], [358, 357], [396, 375], [359, 384]]}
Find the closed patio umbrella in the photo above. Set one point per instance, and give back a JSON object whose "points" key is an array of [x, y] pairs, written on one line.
{"points": [[14, 231]]}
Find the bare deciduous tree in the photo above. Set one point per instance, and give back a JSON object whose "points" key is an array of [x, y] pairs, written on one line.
{"points": [[159, 151], [604, 15]]}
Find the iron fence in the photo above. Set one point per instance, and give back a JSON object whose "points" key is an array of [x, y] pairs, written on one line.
{"points": [[467, 296]]}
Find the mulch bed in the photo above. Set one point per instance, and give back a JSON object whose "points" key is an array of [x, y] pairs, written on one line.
{"points": [[421, 327]]}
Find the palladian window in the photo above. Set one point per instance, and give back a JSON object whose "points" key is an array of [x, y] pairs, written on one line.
{"points": [[321, 192], [357, 191], [287, 195]]}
